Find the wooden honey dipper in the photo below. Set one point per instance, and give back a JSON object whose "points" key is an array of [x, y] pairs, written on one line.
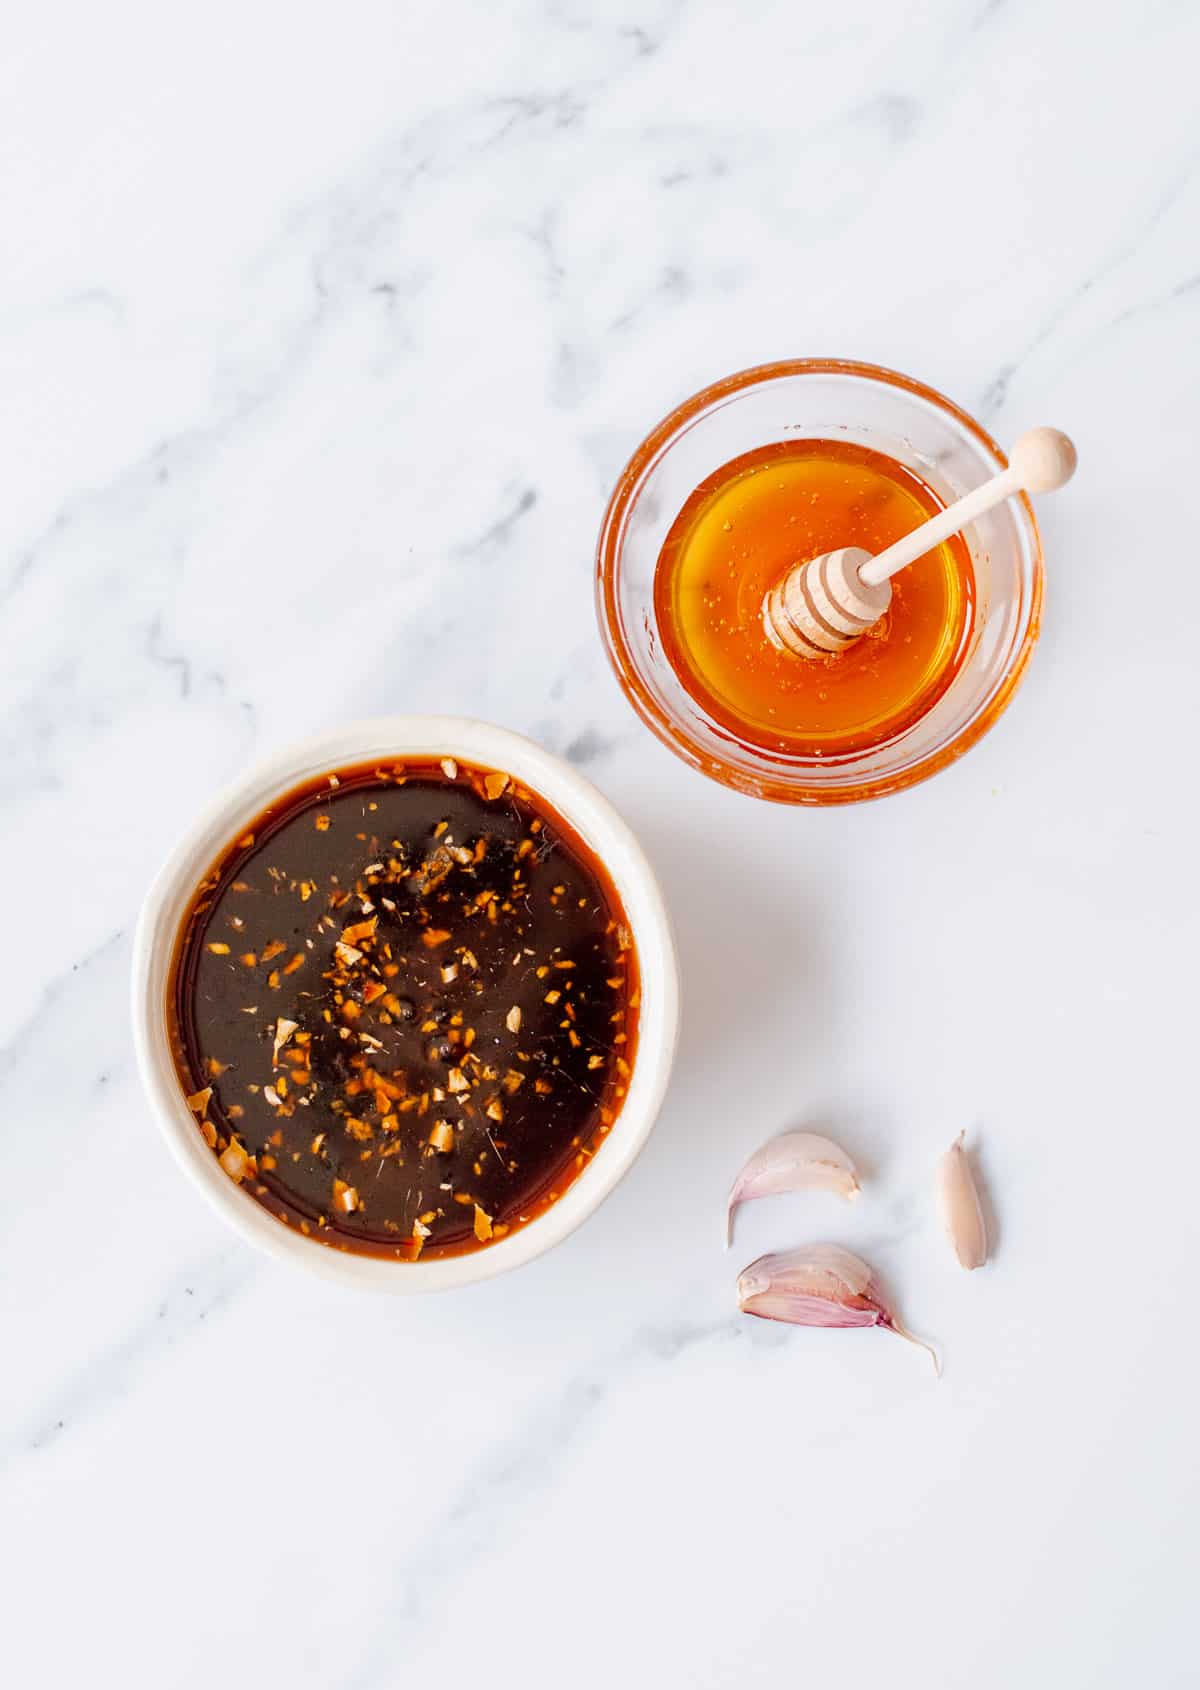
{"points": [[823, 605]]}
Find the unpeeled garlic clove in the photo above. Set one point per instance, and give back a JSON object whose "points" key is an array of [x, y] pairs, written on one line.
{"points": [[962, 1212], [819, 1285], [793, 1162]]}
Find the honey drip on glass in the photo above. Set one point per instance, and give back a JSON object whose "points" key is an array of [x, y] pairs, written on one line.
{"points": [[741, 531]]}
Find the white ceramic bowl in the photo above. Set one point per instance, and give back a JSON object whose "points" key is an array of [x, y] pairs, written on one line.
{"points": [[600, 827]]}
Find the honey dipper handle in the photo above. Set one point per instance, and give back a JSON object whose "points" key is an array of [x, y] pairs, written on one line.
{"points": [[1041, 460]]}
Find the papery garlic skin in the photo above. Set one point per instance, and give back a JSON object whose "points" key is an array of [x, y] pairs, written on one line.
{"points": [[962, 1212], [819, 1285], [795, 1161]]}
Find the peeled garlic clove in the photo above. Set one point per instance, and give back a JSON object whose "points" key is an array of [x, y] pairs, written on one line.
{"points": [[793, 1162], [819, 1285], [962, 1212]]}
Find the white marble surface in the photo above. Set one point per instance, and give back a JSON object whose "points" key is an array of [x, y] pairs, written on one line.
{"points": [[323, 334]]}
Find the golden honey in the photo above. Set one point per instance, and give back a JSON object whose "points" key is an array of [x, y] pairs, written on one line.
{"points": [[738, 535]]}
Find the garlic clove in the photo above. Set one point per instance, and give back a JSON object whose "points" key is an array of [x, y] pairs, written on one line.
{"points": [[793, 1162], [819, 1285], [962, 1212]]}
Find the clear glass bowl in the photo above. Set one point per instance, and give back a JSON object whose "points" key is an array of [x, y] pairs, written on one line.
{"points": [[829, 399]]}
